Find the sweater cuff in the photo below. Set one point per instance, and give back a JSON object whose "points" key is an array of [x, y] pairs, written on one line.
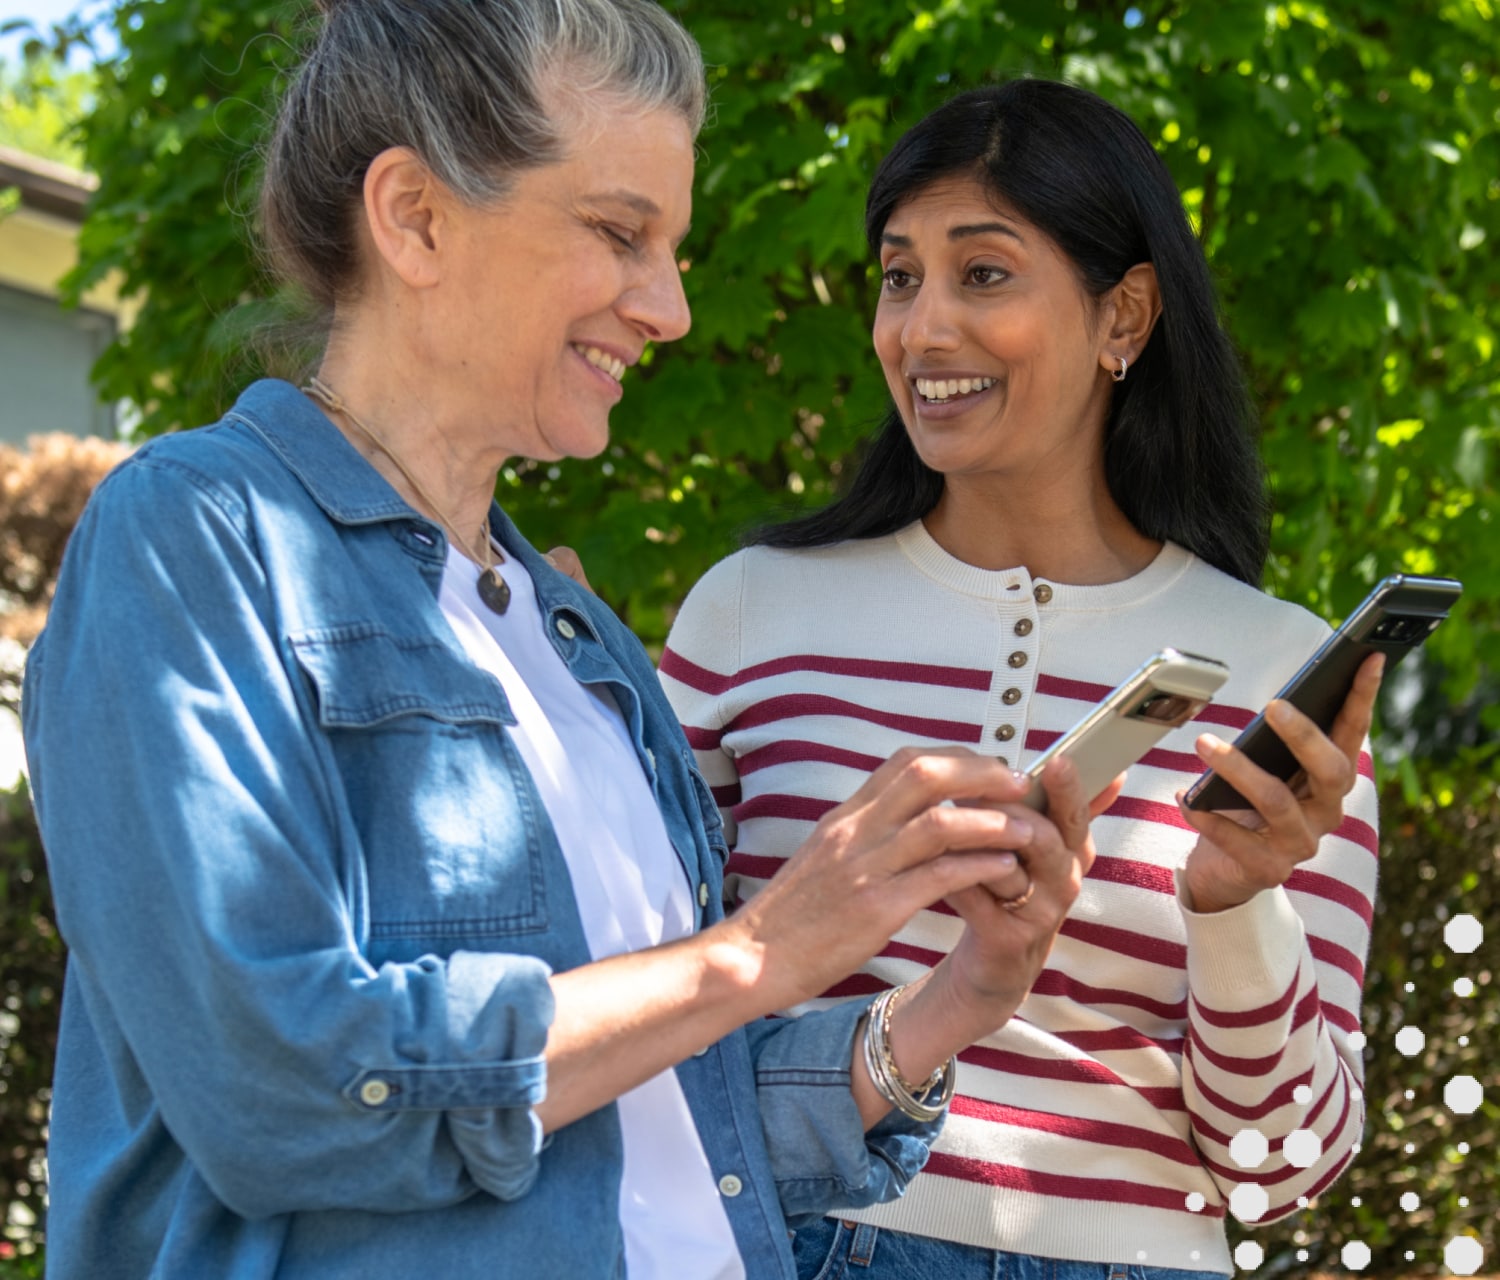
{"points": [[1243, 957]]}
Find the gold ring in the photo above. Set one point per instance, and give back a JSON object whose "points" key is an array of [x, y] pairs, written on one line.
{"points": [[1021, 899]]}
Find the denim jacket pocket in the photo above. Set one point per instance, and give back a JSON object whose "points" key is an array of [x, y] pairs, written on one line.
{"points": [[452, 831]]}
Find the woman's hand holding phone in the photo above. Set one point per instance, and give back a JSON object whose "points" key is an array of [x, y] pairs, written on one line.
{"points": [[1011, 924], [1240, 854]]}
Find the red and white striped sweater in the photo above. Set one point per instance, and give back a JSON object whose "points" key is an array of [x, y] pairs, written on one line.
{"points": [[1096, 1125]]}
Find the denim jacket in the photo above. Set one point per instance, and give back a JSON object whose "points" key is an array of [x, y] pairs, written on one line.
{"points": [[313, 902]]}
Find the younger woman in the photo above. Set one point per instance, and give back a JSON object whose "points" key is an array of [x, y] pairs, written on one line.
{"points": [[1066, 483]]}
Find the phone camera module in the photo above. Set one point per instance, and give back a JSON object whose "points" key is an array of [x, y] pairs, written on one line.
{"points": [[1400, 630], [1165, 708]]}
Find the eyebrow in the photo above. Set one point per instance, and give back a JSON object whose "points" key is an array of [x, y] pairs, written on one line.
{"points": [[643, 205], [959, 233]]}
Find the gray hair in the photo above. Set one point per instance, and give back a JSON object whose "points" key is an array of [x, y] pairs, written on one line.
{"points": [[461, 83]]}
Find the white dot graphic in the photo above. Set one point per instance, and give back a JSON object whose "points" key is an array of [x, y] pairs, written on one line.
{"points": [[1411, 1148], [1302, 1095], [1302, 1147], [1195, 1202], [1464, 1255], [1194, 1255], [1410, 1201], [1410, 1095], [1462, 1095], [1301, 1255], [1463, 1042], [1410, 1041], [1355, 1255], [1463, 934], [1463, 1148], [1355, 1201], [1248, 1255], [1303, 1202], [1463, 987], [1249, 1202], [1249, 1148], [1357, 1040], [1140, 1255], [1463, 1202], [1410, 1256], [1410, 987]]}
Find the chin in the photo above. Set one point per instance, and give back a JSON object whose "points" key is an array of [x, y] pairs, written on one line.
{"points": [[575, 441]]}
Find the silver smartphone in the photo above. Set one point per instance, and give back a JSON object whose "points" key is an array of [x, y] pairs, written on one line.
{"points": [[1168, 690], [1400, 613]]}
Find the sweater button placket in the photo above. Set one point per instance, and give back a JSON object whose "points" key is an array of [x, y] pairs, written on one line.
{"points": [[1020, 666]]}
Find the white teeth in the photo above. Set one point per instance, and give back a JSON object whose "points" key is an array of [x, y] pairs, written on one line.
{"points": [[939, 391], [602, 360]]}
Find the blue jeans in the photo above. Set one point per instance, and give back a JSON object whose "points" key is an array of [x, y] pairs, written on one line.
{"points": [[835, 1250]]}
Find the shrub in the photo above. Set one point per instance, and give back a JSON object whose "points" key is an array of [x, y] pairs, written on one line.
{"points": [[30, 995], [1439, 858], [42, 492]]}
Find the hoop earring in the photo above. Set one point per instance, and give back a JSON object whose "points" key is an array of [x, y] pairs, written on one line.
{"points": [[1119, 374]]}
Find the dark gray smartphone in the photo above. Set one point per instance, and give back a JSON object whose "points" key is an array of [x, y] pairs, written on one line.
{"points": [[1400, 613]]}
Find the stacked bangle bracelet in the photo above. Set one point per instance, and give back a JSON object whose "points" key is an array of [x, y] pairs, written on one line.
{"points": [[917, 1102]]}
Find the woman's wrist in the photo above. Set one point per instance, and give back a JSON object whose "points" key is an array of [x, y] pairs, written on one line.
{"points": [[938, 1016]]}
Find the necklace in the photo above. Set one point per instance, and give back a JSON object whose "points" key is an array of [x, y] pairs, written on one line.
{"points": [[493, 589]]}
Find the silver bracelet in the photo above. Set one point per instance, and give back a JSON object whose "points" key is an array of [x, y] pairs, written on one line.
{"points": [[915, 1102]]}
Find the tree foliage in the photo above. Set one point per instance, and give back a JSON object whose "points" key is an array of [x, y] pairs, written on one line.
{"points": [[40, 103], [1341, 162]]}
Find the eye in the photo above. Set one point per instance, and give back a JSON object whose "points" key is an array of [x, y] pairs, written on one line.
{"points": [[987, 275], [894, 279], [620, 237]]}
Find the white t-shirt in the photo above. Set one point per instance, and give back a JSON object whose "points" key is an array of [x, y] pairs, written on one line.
{"points": [[632, 893]]}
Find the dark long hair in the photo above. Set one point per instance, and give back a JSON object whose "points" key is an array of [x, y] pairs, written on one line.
{"points": [[1179, 445]]}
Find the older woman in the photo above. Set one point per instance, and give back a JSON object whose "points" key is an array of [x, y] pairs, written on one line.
{"points": [[392, 894], [1066, 483]]}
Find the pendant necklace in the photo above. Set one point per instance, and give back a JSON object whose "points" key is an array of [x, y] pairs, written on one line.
{"points": [[493, 589]]}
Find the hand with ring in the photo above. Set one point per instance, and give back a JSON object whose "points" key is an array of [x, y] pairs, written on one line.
{"points": [[1011, 922]]}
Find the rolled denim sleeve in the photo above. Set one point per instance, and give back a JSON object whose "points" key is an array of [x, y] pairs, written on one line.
{"points": [[822, 1156], [202, 868]]}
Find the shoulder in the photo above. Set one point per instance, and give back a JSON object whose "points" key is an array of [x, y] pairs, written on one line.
{"points": [[223, 464], [1238, 603], [790, 574]]}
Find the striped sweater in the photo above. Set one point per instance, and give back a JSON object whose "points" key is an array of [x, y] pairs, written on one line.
{"points": [[1167, 1066]]}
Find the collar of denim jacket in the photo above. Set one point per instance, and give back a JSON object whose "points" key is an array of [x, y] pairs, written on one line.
{"points": [[314, 450], [352, 492]]}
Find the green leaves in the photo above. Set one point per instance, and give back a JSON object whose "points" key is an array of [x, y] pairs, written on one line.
{"points": [[1340, 163]]}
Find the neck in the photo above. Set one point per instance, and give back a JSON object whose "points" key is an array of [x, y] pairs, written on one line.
{"points": [[1068, 533], [445, 469]]}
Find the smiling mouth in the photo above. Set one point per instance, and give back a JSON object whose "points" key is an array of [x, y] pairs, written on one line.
{"points": [[602, 361], [934, 391]]}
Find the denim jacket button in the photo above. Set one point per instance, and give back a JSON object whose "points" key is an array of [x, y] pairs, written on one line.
{"points": [[703, 894], [373, 1093], [698, 1053], [565, 629], [730, 1186]]}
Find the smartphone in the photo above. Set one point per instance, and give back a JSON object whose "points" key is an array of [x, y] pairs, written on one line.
{"points": [[1168, 690], [1395, 618]]}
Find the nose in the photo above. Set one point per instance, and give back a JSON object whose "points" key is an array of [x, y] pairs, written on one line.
{"points": [[658, 306], [929, 321]]}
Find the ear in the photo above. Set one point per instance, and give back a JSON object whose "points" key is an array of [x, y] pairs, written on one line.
{"points": [[1131, 309], [405, 213]]}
